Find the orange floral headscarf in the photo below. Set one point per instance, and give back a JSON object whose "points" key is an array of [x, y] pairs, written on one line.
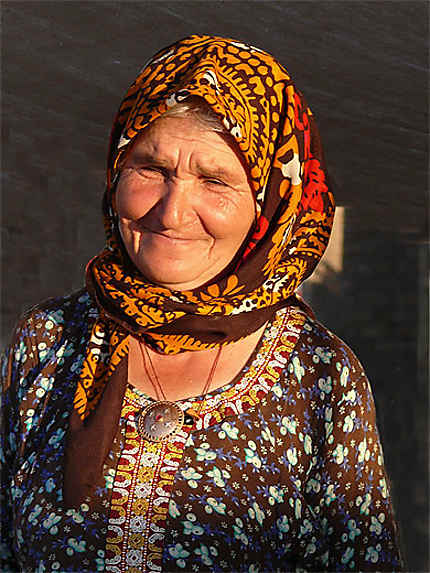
{"points": [[274, 128]]}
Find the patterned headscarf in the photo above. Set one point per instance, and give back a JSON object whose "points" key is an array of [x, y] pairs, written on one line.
{"points": [[273, 127]]}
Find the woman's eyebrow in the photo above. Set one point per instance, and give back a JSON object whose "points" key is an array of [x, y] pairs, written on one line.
{"points": [[216, 172], [145, 156]]}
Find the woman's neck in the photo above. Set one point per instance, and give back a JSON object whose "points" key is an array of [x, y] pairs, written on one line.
{"points": [[185, 375]]}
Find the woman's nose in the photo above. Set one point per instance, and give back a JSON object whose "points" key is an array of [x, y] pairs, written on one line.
{"points": [[174, 208]]}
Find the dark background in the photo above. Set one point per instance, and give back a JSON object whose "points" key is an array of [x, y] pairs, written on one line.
{"points": [[363, 69]]}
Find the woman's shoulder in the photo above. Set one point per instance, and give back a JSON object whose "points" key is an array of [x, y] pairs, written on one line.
{"points": [[325, 378], [43, 329], [320, 340], [59, 310], [314, 338], [322, 358], [56, 313]]}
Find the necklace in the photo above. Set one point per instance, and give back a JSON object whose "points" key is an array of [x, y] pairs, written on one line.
{"points": [[160, 420]]}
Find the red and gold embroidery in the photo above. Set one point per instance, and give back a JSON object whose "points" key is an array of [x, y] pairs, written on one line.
{"points": [[140, 496]]}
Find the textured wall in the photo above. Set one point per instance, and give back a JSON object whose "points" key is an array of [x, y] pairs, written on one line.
{"points": [[363, 69]]}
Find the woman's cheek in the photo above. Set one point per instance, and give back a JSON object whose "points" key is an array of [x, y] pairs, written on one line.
{"points": [[221, 214], [133, 200]]}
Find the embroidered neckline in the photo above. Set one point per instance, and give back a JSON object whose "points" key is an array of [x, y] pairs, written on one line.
{"points": [[249, 386]]}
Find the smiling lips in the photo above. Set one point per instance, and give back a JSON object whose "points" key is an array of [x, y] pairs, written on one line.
{"points": [[169, 237]]}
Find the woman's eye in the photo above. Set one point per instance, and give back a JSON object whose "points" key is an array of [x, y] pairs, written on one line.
{"points": [[150, 171], [215, 182]]}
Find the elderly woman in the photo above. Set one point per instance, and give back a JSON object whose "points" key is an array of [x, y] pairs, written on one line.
{"points": [[185, 411]]}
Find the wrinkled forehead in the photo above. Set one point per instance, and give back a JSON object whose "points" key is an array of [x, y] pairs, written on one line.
{"points": [[171, 140]]}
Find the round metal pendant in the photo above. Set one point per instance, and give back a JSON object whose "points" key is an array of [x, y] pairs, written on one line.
{"points": [[159, 421]]}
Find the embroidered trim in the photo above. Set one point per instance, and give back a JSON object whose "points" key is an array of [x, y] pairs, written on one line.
{"points": [[263, 373], [140, 496]]}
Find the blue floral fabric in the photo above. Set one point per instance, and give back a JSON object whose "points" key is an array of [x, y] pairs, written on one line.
{"points": [[294, 483]]}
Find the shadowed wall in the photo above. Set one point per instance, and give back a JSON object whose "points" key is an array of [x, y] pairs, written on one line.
{"points": [[363, 69]]}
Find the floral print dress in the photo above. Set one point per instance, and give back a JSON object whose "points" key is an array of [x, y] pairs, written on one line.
{"points": [[282, 472]]}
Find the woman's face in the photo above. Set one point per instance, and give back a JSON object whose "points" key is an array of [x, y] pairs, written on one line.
{"points": [[184, 203]]}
